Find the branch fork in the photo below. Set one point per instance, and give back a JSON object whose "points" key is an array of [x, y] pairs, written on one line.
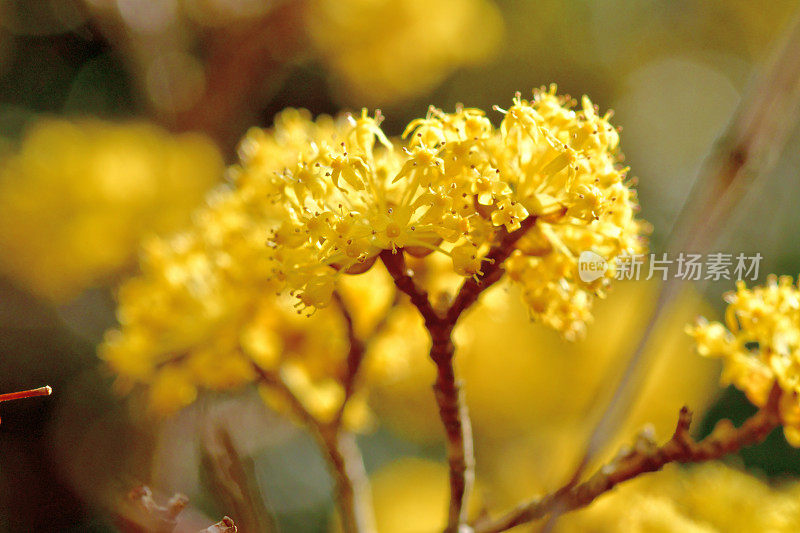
{"points": [[447, 389]]}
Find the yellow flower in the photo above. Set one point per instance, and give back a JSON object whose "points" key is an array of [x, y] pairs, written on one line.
{"points": [[382, 51], [313, 203], [204, 308], [759, 345], [341, 192], [78, 197]]}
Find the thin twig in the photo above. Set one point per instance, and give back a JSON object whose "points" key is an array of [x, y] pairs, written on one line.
{"points": [[355, 357], [357, 351], [32, 393], [352, 484], [274, 381], [646, 456], [341, 454]]}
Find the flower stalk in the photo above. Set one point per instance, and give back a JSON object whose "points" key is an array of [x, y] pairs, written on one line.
{"points": [[449, 398], [447, 388]]}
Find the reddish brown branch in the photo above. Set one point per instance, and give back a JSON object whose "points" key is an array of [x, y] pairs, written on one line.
{"points": [[241, 59], [32, 393], [355, 357], [492, 270], [452, 409], [744, 156], [396, 266], [458, 429], [447, 389], [646, 456]]}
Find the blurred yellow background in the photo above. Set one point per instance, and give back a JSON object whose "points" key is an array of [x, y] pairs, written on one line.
{"points": [[116, 118]]}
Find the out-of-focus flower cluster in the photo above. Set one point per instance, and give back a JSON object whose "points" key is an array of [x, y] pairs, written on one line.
{"points": [[759, 345], [699, 498], [386, 50], [376, 51], [77, 198], [204, 308]]}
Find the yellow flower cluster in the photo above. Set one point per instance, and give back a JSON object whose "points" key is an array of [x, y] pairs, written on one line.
{"points": [[759, 345], [204, 309], [205, 306], [78, 197], [382, 51], [313, 202], [344, 192]]}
